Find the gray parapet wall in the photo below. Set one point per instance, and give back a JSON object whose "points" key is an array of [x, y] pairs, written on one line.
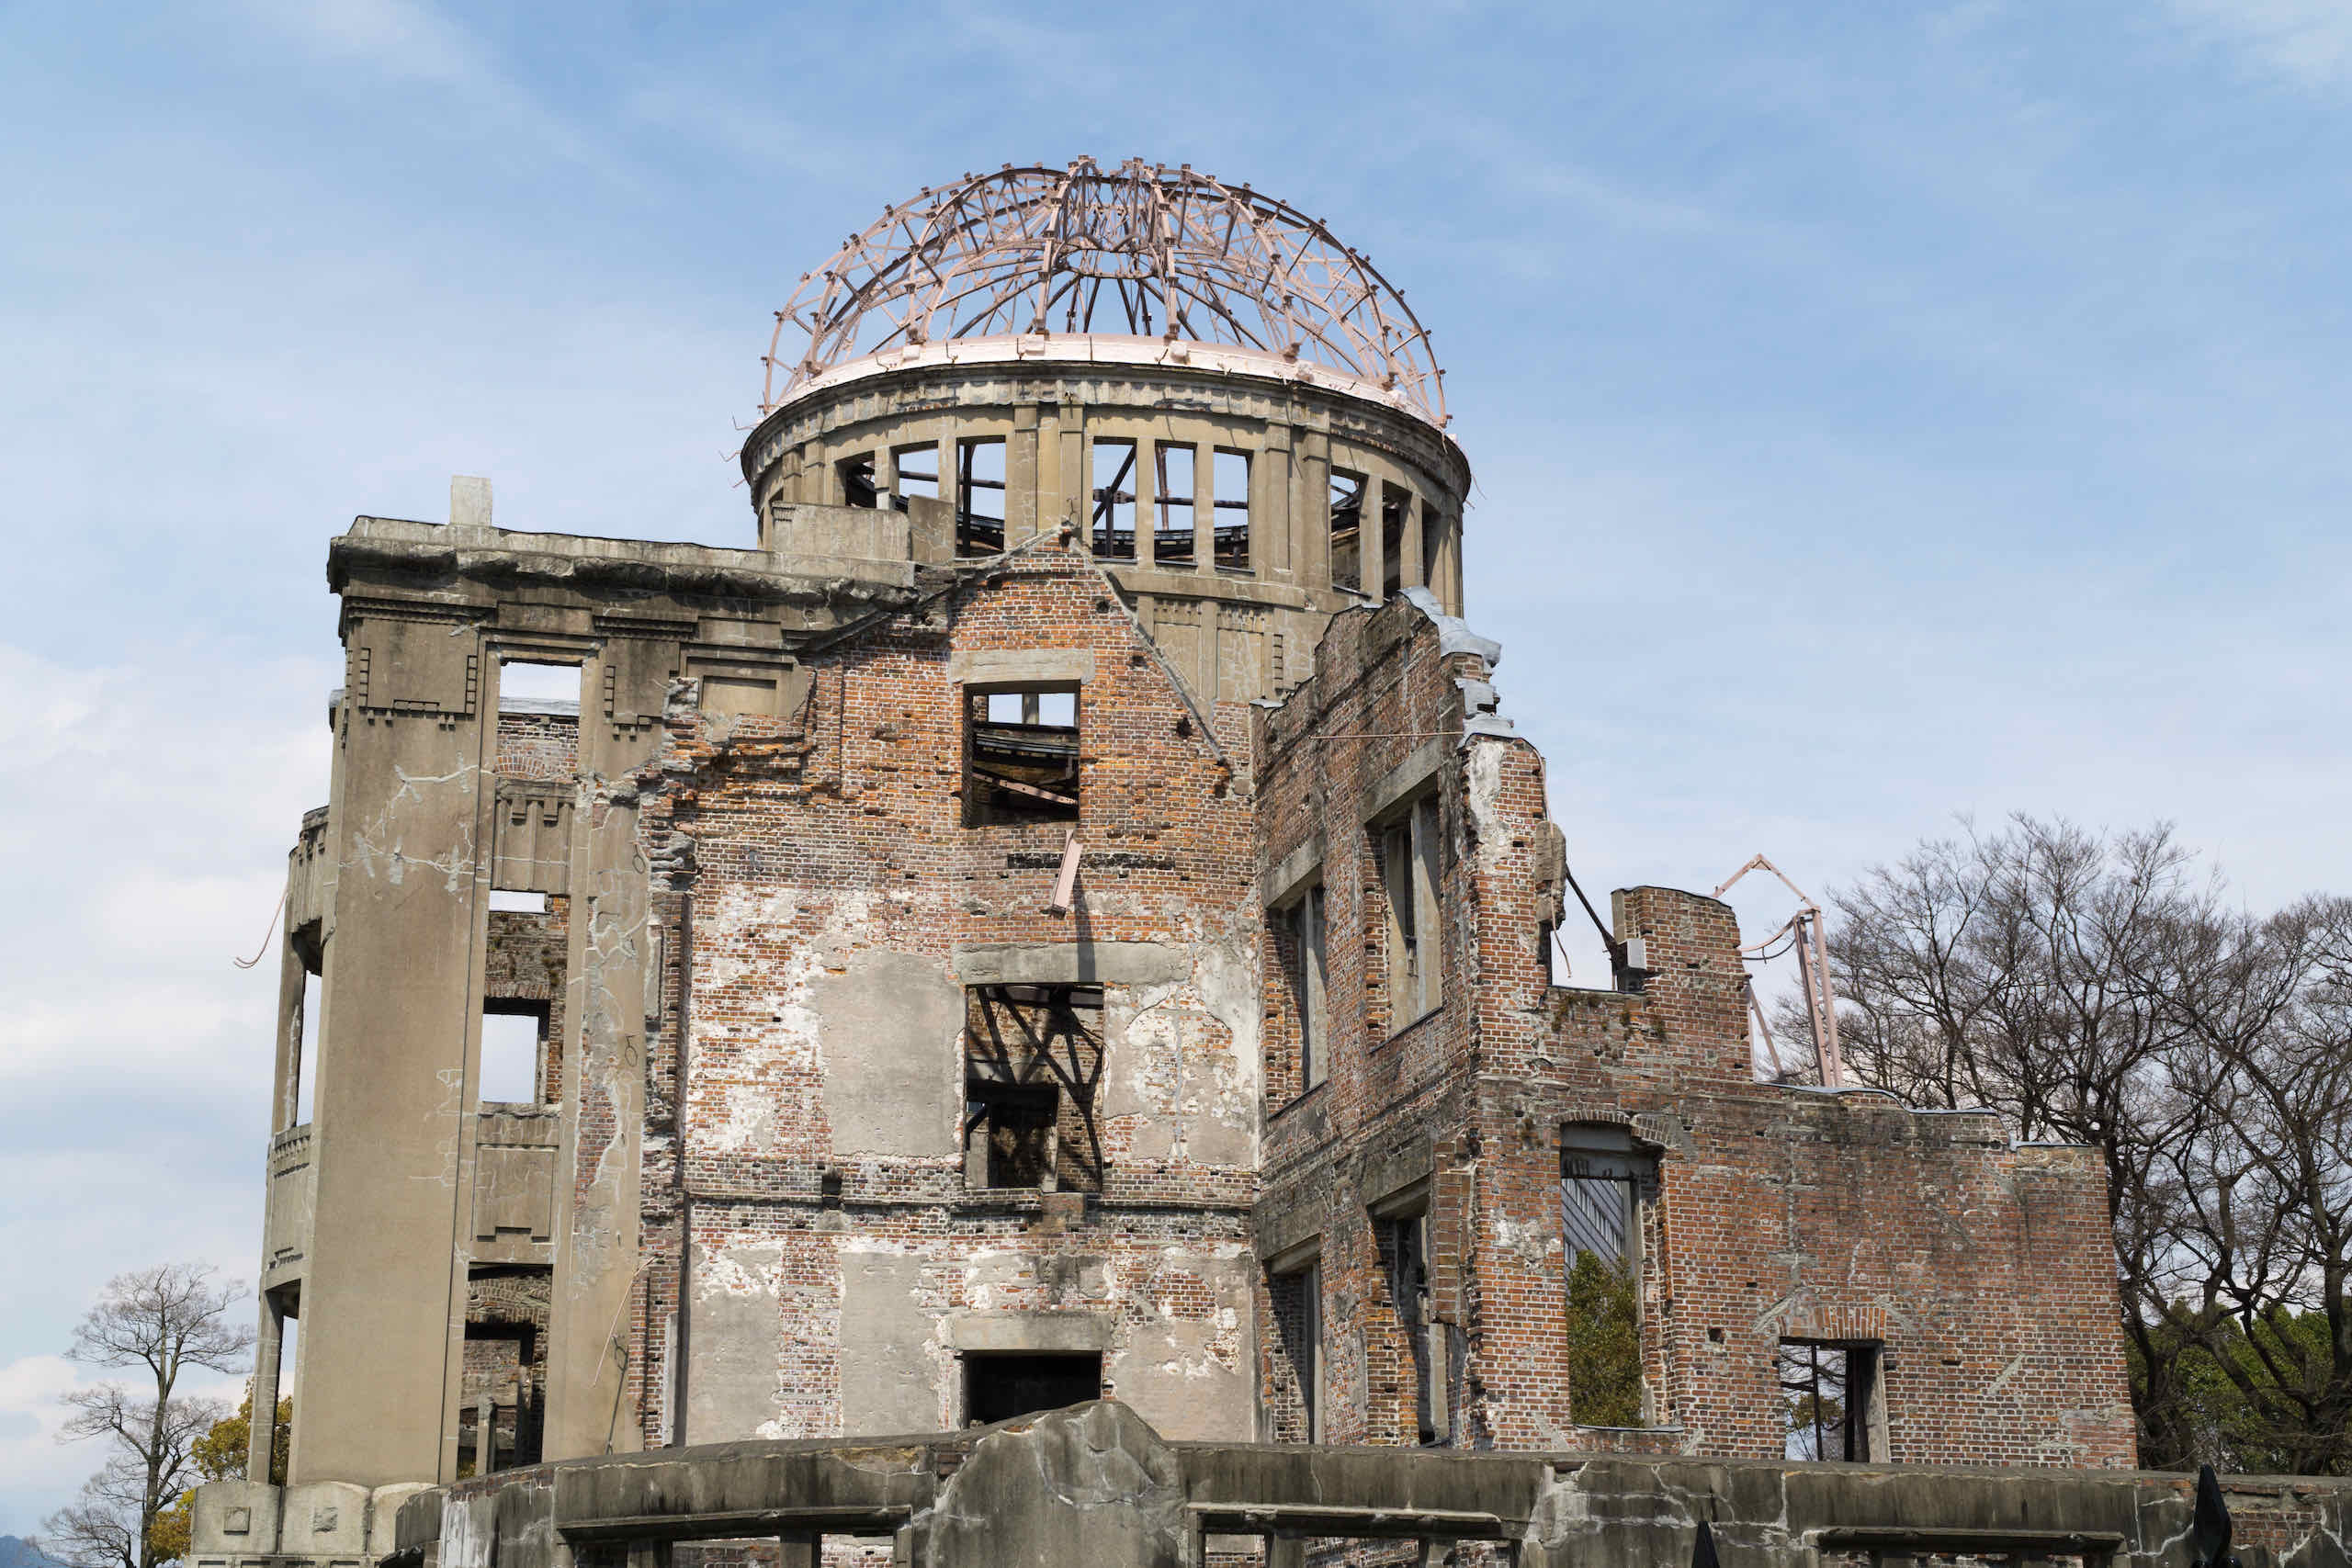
{"points": [[1093, 1485]]}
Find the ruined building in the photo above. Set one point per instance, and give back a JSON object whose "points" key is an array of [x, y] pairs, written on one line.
{"points": [[1062, 913]]}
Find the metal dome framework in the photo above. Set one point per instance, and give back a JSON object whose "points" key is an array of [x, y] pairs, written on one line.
{"points": [[1140, 252]]}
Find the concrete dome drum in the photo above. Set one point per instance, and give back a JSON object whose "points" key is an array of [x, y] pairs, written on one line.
{"points": [[1138, 253]]}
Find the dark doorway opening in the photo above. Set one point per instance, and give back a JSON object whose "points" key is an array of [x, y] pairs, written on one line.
{"points": [[997, 1387]]}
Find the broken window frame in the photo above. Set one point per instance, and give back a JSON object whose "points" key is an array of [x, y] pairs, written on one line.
{"points": [[1298, 1334], [1405, 1254], [1347, 489], [1303, 953], [977, 531], [1021, 1043], [1852, 1368], [859, 485], [1407, 844], [1604, 1181], [1229, 528], [1108, 540], [900, 476], [1025, 770], [1172, 546]]}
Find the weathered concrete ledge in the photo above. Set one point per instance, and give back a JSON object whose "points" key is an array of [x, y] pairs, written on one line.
{"points": [[1095, 1485]]}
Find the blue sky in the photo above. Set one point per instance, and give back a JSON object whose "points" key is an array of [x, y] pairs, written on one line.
{"points": [[1880, 412]]}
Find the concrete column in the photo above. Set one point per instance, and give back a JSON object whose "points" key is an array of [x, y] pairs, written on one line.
{"points": [[1147, 501], [411, 805], [1373, 570], [1449, 564], [886, 476], [1311, 511], [946, 464], [597, 1239], [1021, 516], [1410, 544], [261, 1433], [802, 1550], [1270, 554], [1205, 508], [1074, 484]]}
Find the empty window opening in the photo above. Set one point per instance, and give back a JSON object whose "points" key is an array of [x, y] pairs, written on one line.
{"points": [[1404, 1250], [1296, 1406], [1299, 944], [979, 496], [306, 1062], [1601, 1179], [510, 1056], [1392, 503], [1831, 1393], [1409, 876], [997, 1387], [522, 682], [1033, 1055], [1347, 535], [1172, 537], [914, 470], [519, 903], [1020, 755], [857, 480], [1114, 525], [1230, 477], [1432, 544]]}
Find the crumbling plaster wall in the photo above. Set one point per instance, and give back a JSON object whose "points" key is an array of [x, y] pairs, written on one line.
{"points": [[832, 910]]}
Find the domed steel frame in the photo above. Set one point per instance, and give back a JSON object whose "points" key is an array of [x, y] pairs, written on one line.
{"points": [[1140, 252]]}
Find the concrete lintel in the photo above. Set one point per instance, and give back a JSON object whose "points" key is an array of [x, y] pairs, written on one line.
{"points": [[1293, 872], [1022, 666], [1080, 1333], [1392, 1178], [1406, 778], [1073, 963]]}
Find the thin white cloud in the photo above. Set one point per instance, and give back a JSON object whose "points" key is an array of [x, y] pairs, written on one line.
{"points": [[2307, 43]]}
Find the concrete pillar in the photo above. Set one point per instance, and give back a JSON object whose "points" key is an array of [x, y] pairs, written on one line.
{"points": [[412, 803], [1311, 512], [597, 1239], [261, 1433], [1270, 507], [1371, 537], [1409, 544], [1147, 501], [802, 1550], [1021, 514], [947, 490], [885, 477], [485, 1435], [1072, 495]]}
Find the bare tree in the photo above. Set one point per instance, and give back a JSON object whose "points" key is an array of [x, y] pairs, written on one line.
{"points": [[2096, 988], [162, 1322]]}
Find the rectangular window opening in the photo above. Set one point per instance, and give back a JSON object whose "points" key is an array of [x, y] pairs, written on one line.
{"points": [[1830, 1391], [1408, 877], [1172, 537], [1299, 944], [914, 470], [522, 681], [1114, 523], [1600, 1183], [979, 496], [519, 903], [1392, 503], [1020, 755], [1347, 535], [305, 1066], [511, 1041], [1033, 1055], [1230, 474], [1405, 1250], [1297, 1405], [857, 480], [1000, 1386]]}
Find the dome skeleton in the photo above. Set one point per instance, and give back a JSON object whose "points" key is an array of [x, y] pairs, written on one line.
{"points": [[1139, 251]]}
